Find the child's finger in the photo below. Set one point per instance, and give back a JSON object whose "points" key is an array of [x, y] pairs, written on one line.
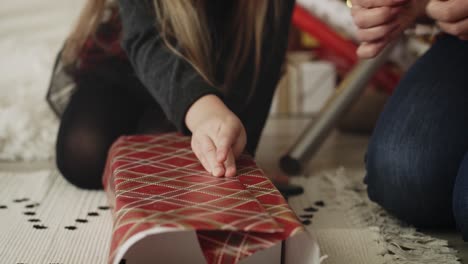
{"points": [[239, 145], [198, 153], [230, 165], [209, 152], [224, 140]]}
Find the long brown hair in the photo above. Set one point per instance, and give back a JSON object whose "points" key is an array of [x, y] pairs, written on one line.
{"points": [[184, 23]]}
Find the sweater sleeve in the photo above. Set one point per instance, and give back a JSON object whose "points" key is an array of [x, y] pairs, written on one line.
{"points": [[170, 79]]}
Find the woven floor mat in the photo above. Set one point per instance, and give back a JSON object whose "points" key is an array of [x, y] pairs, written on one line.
{"points": [[44, 219], [348, 226]]}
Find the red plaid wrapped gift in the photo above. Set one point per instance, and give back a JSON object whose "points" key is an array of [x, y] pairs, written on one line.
{"points": [[168, 209]]}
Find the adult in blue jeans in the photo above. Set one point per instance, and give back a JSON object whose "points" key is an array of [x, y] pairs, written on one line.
{"points": [[417, 160]]}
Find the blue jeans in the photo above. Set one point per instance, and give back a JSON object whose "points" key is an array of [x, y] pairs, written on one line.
{"points": [[417, 161]]}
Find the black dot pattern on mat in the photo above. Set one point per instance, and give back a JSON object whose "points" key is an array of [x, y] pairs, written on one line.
{"points": [[320, 203], [21, 200], [40, 226], [3, 207], [29, 213], [70, 227], [32, 205], [34, 220], [311, 209], [306, 222], [103, 208], [79, 220], [93, 213], [308, 216]]}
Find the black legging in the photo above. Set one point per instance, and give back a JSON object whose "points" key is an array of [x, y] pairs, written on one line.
{"points": [[108, 103]]}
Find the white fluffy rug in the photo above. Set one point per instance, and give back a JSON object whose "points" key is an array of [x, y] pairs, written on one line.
{"points": [[31, 33]]}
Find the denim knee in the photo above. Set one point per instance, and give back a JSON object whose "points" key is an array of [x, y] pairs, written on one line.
{"points": [[460, 199], [406, 181]]}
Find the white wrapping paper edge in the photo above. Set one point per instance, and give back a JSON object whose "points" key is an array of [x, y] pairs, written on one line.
{"points": [[301, 248]]}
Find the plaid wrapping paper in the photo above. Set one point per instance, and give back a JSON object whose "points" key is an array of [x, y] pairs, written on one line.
{"points": [[156, 181]]}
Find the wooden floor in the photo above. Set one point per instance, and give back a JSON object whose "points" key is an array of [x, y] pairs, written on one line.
{"points": [[340, 149]]}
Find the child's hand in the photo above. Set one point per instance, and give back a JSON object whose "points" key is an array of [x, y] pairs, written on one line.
{"points": [[379, 22], [451, 16], [218, 136]]}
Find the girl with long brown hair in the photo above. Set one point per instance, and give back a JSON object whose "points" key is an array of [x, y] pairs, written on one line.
{"points": [[203, 67]]}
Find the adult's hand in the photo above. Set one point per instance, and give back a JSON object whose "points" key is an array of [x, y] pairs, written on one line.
{"points": [[379, 22], [218, 136], [451, 16]]}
